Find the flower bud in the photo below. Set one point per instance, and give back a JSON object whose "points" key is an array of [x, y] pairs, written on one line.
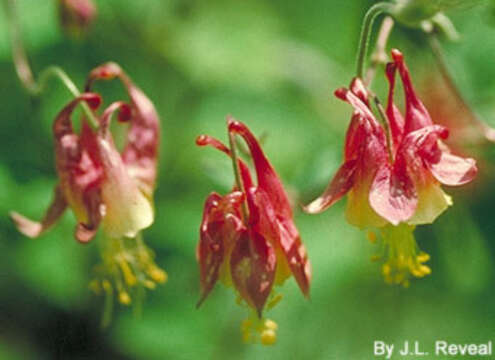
{"points": [[76, 15]]}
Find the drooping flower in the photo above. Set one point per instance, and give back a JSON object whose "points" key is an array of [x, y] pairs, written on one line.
{"points": [[248, 238], [76, 15], [103, 186], [393, 175]]}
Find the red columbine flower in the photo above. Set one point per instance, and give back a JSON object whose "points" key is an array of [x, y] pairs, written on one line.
{"points": [[393, 180], [102, 185], [248, 238]]}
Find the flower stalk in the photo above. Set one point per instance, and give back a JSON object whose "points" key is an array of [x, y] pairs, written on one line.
{"points": [[369, 19], [379, 55], [23, 68]]}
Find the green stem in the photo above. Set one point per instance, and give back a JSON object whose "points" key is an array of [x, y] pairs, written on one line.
{"points": [[379, 55], [24, 72], [369, 18], [58, 73], [235, 165]]}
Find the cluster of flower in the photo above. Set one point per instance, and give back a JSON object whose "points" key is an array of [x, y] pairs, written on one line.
{"points": [[392, 174]]}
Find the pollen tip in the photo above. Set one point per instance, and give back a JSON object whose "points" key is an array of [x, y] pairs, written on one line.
{"points": [[124, 298], [268, 337]]}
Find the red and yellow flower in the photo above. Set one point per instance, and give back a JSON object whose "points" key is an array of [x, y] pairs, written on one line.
{"points": [[103, 186], [393, 175], [248, 238]]}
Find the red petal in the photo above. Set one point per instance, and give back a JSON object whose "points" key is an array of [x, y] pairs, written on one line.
{"points": [[280, 232], [396, 121], [356, 137], [141, 150], [416, 149], [92, 201], [125, 113], [393, 195], [271, 188], [362, 109], [357, 88], [341, 183], [296, 255], [253, 263], [220, 227], [263, 232], [78, 167], [63, 124], [453, 170], [34, 229], [267, 177], [417, 116]]}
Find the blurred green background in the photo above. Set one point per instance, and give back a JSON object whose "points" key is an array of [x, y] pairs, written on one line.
{"points": [[274, 65]]}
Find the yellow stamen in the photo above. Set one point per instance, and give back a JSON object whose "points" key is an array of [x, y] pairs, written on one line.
{"points": [[149, 284], [157, 274], [270, 324], [129, 277], [402, 255], [423, 257], [95, 286], [268, 337], [425, 269], [386, 269], [106, 286], [124, 298]]}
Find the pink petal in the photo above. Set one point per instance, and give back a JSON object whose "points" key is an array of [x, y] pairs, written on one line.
{"points": [[268, 179], [280, 232], [34, 229], [357, 88], [140, 153], [361, 108], [252, 265], [396, 121], [453, 170], [296, 255], [417, 116], [220, 228], [393, 195], [341, 183]]}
